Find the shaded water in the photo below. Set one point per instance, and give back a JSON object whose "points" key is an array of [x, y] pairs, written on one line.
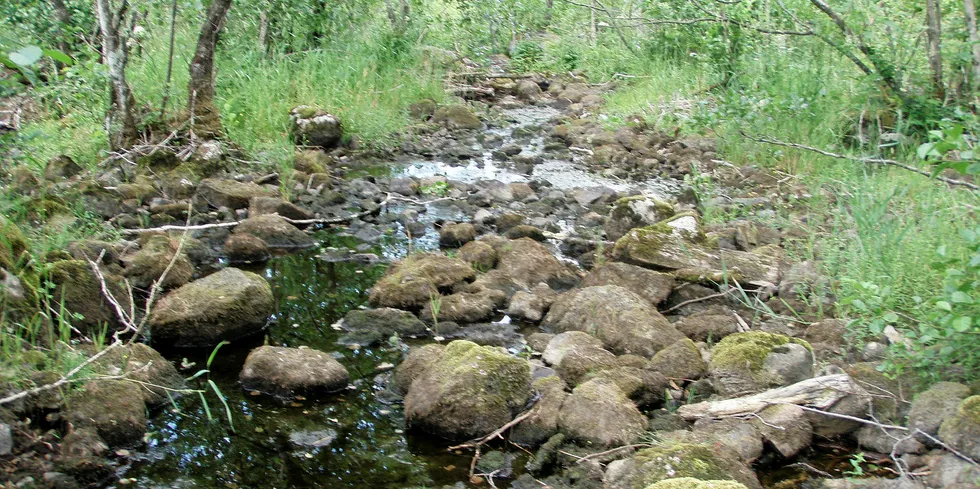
{"points": [[371, 448]]}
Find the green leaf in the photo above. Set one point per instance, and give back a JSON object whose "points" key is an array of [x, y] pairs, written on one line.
{"points": [[891, 317], [962, 324], [26, 55], [58, 56], [961, 297], [945, 306]]}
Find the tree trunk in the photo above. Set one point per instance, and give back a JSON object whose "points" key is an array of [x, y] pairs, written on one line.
{"points": [[63, 18], [934, 33], [121, 120], [263, 32], [204, 114], [592, 26], [970, 11], [548, 7]]}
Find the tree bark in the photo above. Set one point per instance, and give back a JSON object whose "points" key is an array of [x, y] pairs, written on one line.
{"points": [[204, 114], [970, 12], [63, 17], [121, 119], [934, 33], [263, 32]]}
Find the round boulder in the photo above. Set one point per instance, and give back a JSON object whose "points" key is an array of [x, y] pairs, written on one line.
{"points": [[469, 391], [287, 372], [311, 126], [224, 305]]}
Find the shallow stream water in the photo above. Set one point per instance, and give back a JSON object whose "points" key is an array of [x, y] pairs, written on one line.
{"points": [[362, 440]]}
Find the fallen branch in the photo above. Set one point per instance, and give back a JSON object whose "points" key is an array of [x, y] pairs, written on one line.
{"points": [[606, 452], [218, 225], [478, 443], [860, 159], [817, 393]]}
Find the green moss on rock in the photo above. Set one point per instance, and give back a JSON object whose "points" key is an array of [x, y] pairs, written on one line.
{"points": [[77, 287], [675, 460], [749, 348], [469, 391], [962, 429], [412, 282]]}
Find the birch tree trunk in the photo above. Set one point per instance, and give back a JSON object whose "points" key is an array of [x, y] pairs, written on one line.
{"points": [[263, 31], [204, 114], [934, 32], [970, 12], [121, 119]]}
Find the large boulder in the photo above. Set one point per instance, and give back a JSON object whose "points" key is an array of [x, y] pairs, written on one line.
{"points": [[633, 212], [141, 363], [469, 391], [230, 193], [114, 408], [678, 460], [463, 307], [531, 305], [287, 372], [414, 281], [599, 412], [931, 408], [456, 117], [962, 429], [456, 235], [754, 361], [147, 265], [310, 126], [663, 247], [786, 427], [13, 246], [225, 305], [367, 327], [653, 286], [624, 321], [275, 231], [275, 205]]}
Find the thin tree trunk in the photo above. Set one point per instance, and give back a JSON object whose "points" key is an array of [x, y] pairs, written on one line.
{"points": [[263, 31], [592, 25], [204, 114], [548, 7], [970, 12], [63, 18], [170, 59], [934, 33], [121, 120]]}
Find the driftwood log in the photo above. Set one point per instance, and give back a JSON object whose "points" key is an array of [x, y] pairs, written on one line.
{"points": [[820, 393]]}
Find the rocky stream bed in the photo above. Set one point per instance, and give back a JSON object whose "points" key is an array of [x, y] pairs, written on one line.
{"points": [[513, 264]]}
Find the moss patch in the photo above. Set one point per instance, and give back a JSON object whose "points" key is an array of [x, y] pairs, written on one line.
{"points": [[692, 483], [748, 349]]}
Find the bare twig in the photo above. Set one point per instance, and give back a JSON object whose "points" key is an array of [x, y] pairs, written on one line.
{"points": [[860, 159]]}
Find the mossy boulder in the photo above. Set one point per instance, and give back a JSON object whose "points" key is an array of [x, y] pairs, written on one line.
{"points": [[469, 391], [19, 299], [230, 193], [663, 247], [456, 235], [753, 361], [576, 354], [543, 422], [524, 263], [147, 265], [624, 321], [224, 305], [311, 126], [371, 326], [633, 212], [61, 166], [931, 408], [423, 109], [464, 307], [113, 407], [287, 372], [246, 248], [13, 246], [962, 429], [144, 364], [479, 254], [274, 205], [77, 287], [418, 360], [525, 231], [680, 361], [886, 408], [456, 117], [276, 232], [679, 460], [311, 161], [414, 281], [600, 412], [786, 427], [692, 483]]}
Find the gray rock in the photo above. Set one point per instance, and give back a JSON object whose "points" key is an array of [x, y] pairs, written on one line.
{"points": [[653, 286], [6, 440], [786, 427], [739, 435], [287, 372], [531, 306], [275, 231], [932, 407], [620, 422], [886, 441], [367, 327], [632, 212], [231, 194], [310, 126], [791, 363], [622, 320], [456, 235]]}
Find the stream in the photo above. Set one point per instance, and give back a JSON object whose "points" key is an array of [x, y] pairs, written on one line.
{"points": [[352, 439]]}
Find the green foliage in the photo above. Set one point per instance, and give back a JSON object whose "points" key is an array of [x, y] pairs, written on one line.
{"points": [[438, 189]]}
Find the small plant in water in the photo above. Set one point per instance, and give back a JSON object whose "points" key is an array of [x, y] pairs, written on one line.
{"points": [[214, 387], [435, 303], [857, 469], [438, 189]]}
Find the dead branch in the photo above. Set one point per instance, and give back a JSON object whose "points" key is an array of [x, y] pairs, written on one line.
{"points": [[860, 159], [817, 393], [65, 379], [496, 433], [607, 452]]}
